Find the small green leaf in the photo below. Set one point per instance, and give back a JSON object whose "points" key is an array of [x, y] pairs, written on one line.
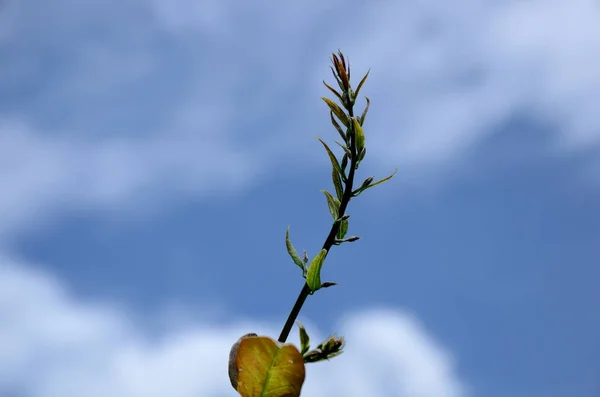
{"points": [[358, 191], [313, 277], [304, 338], [337, 111], [333, 204], [362, 154], [334, 162], [347, 240], [337, 183], [337, 94], [343, 229], [345, 161], [384, 179], [337, 126], [292, 251], [346, 150], [364, 113], [359, 135], [361, 83]]}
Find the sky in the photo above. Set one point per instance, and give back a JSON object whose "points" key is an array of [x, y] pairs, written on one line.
{"points": [[153, 153]]}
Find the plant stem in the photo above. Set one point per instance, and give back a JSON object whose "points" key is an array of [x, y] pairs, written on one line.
{"points": [[330, 238]]}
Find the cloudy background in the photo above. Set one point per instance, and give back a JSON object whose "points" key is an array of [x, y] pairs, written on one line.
{"points": [[152, 154]]}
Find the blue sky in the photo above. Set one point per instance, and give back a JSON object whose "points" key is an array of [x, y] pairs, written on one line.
{"points": [[152, 154]]}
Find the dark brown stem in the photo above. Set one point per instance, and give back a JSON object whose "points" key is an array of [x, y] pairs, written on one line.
{"points": [[330, 238]]}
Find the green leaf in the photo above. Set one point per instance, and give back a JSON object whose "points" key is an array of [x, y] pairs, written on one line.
{"points": [[292, 251], [346, 150], [304, 338], [362, 154], [313, 277], [364, 113], [337, 111], [363, 188], [347, 240], [345, 160], [337, 94], [361, 83], [333, 204], [334, 162], [382, 180], [337, 183], [337, 126], [343, 229], [359, 135]]}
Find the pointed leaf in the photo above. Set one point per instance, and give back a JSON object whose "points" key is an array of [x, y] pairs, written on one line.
{"points": [[337, 79], [343, 229], [346, 150], [361, 83], [363, 188], [268, 369], [304, 338], [334, 162], [341, 70], [313, 277], [362, 154], [345, 161], [364, 113], [292, 252], [382, 180], [348, 69], [347, 240], [333, 204], [337, 94], [337, 126], [339, 113], [337, 183], [328, 284], [359, 136]]}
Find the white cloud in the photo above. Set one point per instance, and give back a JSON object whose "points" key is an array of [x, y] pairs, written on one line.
{"points": [[41, 174], [445, 74], [53, 345]]}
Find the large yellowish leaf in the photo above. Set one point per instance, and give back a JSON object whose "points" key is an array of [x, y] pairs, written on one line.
{"points": [[266, 368]]}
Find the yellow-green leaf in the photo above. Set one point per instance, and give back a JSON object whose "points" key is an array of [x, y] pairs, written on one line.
{"points": [[343, 229], [292, 252], [359, 136], [304, 338], [268, 369], [333, 204], [313, 277], [332, 157], [337, 111], [382, 180]]}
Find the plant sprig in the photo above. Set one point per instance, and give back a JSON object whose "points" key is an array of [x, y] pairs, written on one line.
{"points": [[343, 181], [258, 365]]}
